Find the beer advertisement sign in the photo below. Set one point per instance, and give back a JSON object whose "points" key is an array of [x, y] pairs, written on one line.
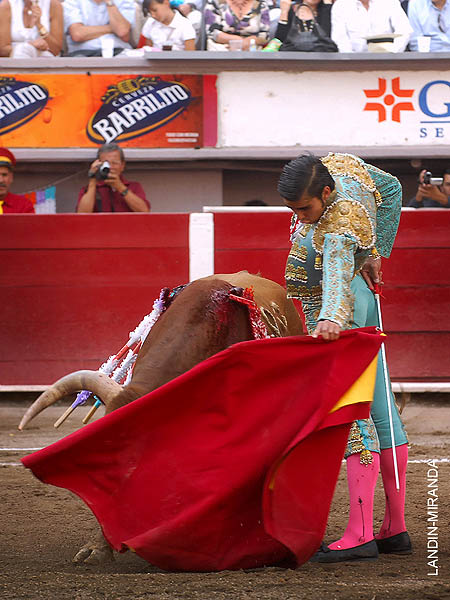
{"points": [[86, 110], [20, 102]]}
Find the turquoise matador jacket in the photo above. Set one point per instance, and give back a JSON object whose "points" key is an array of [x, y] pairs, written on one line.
{"points": [[362, 214]]}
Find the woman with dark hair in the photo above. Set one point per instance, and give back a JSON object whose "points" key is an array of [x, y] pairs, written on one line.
{"points": [[341, 207], [312, 18]]}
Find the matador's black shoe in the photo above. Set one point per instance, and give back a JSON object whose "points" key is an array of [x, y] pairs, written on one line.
{"points": [[367, 551], [396, 544]]}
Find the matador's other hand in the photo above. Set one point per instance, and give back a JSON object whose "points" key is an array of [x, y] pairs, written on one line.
{"points": [[371, 272], [328, 330]]}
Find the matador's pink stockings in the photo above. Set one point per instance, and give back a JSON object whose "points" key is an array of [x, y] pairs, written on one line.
{"points": [[361, 485], [394, 516], [361, 481]]}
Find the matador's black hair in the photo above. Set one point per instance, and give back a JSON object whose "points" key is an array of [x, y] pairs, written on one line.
{"points": [[304, 175]]}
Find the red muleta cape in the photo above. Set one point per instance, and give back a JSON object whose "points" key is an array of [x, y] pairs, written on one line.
{"points": [[231, 465]]}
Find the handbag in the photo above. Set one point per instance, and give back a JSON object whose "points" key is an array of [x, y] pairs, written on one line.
{"points": [[312, 39]]}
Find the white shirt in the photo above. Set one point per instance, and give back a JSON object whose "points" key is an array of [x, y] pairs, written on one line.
{"points": [[20, 33], [350, 22], [426, 19], [175, 34], [89, 12]]}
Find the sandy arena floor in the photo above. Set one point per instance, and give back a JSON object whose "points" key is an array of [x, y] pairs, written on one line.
{"points": [[42, 527]]}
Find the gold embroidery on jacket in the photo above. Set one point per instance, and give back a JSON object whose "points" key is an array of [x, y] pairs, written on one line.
{"points": [[378, 198], [356, 444], [349, 166], [345, 217], [299, 252], [296, 273], [301, 291], [339, 299], [304, 230]]}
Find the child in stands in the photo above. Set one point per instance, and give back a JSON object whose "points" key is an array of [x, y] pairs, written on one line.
{"points": [[167, 29]]}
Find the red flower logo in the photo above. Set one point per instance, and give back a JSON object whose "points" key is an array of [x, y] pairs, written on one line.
{"points": [[389, 99]]}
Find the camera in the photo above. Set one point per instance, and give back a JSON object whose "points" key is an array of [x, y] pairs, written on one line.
{"points": [[103, 170], [429, 179]]}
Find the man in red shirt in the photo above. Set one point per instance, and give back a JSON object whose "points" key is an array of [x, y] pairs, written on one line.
{"points": [[113, 193], [10, 203]]}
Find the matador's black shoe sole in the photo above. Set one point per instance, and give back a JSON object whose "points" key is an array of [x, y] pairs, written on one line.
{"points": [[367, 551], [396, 544]]}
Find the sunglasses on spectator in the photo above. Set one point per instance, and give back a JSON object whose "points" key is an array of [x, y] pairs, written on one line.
{"points": [[441, 23]]}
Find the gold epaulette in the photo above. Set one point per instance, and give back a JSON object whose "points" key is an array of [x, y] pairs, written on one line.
{"points": [[347, 165], [345, 217]]}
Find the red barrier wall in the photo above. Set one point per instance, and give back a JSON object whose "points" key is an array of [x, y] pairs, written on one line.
{"points": [[417, 281], [74, 286], [416, 309]]}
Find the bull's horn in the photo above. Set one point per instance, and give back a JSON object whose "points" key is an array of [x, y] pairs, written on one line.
{"points": [[98, 383]]}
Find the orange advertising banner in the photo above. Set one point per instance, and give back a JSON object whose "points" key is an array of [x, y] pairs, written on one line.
{"points": [[86, 110]]}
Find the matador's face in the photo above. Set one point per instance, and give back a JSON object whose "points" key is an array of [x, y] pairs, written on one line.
{"points": [[309, 209]]}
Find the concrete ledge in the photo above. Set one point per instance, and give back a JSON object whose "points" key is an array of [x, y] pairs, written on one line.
{"points": [[245, 153], [201, 62], [420, 388]]}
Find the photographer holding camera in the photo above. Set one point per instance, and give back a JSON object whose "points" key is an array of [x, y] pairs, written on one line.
{"points": [[433, 192], [108, 190]]}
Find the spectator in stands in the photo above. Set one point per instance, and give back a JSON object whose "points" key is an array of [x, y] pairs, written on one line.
{"points": [[354, 20], [166, 28], [432, 196], [430, 18], [140, 16], [311, 16], [87, 21], [274, 15], [31, 29], [246, 21], [191, 10], [321, 12], [10, 203], [111, 192]]}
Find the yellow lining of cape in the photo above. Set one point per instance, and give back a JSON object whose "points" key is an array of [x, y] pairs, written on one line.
{"points": [[361, 390]]}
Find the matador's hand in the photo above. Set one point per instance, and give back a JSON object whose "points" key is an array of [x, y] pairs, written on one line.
{"points": [[372, 273], [328, 330]]}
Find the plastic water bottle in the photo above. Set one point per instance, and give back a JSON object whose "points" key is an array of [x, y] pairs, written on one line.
{"points": [[252, 46]]}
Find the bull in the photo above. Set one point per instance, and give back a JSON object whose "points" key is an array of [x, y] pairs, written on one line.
{"points": [[201, 321]]}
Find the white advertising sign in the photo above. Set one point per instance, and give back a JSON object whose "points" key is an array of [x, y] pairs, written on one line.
{"points": [[334, 108]]}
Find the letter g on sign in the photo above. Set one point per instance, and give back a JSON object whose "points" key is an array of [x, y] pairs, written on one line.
{"points": [[424, 100]]}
